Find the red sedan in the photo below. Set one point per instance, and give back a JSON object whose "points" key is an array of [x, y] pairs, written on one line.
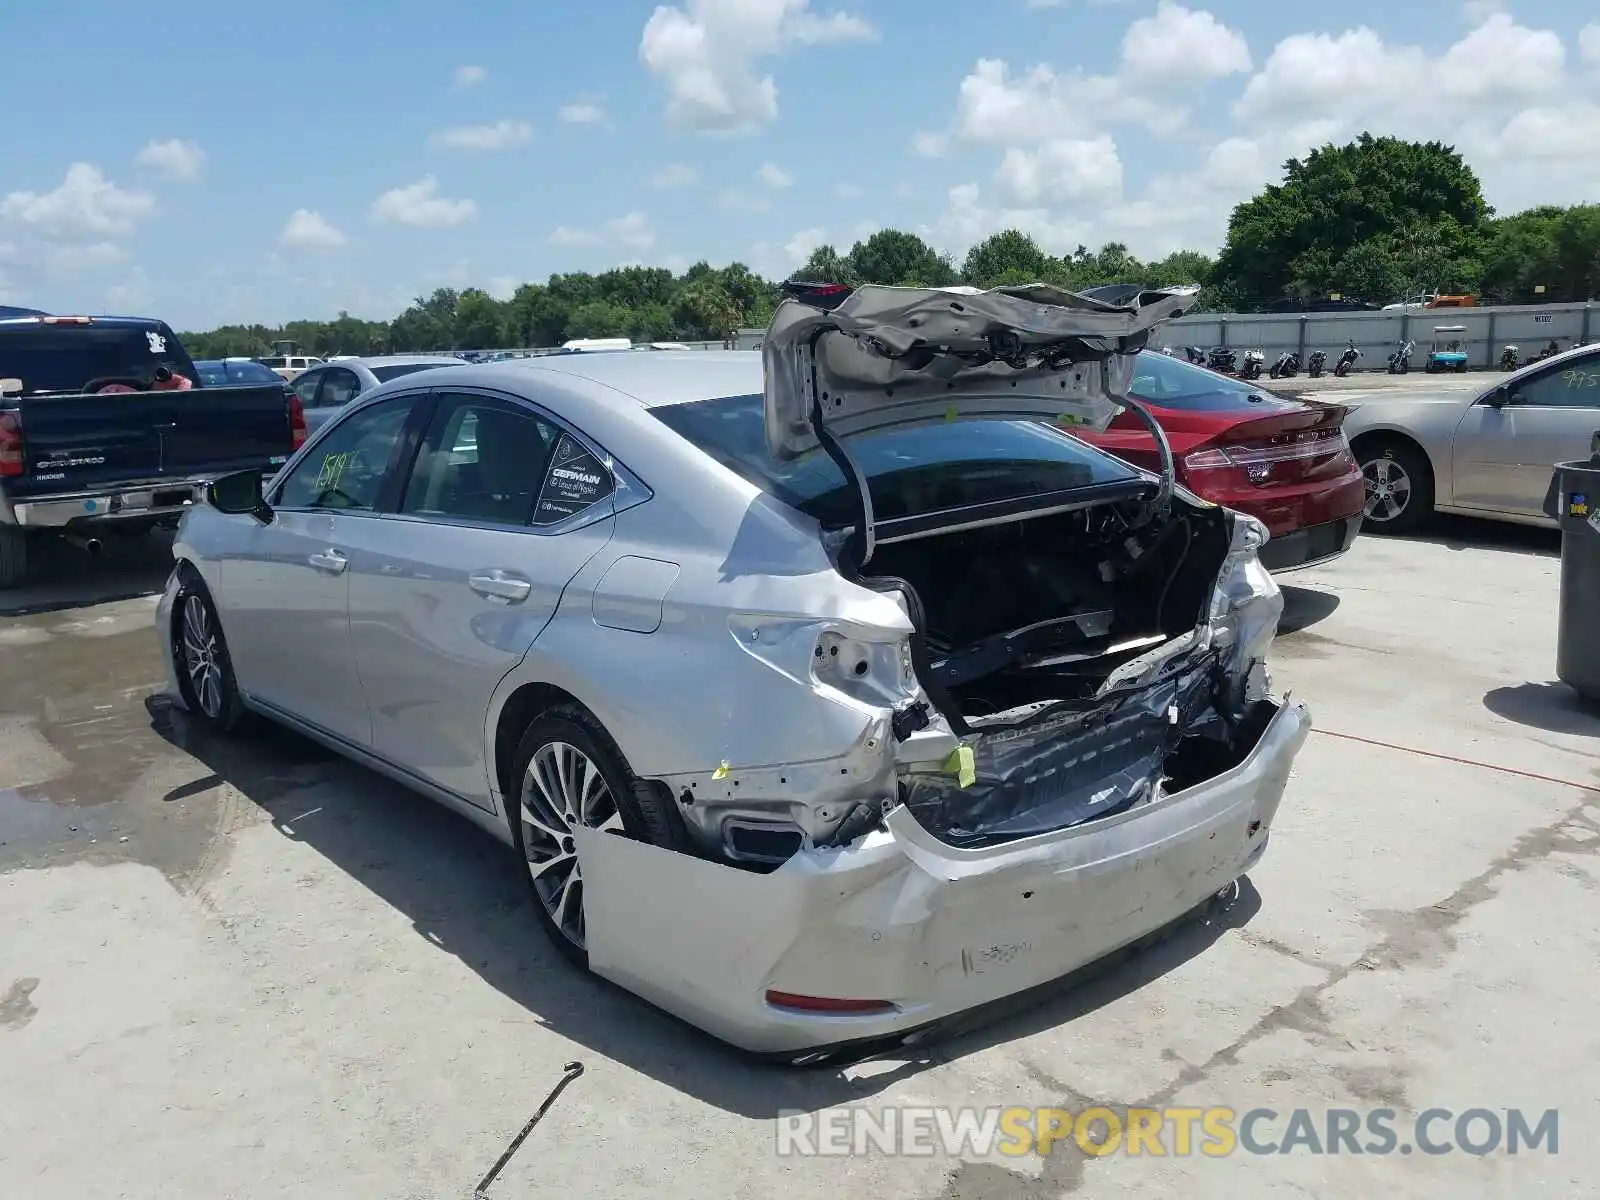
{"points": [[1285, 462]]}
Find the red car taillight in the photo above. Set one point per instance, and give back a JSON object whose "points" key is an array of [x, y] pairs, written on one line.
{"points": [[297, 421], [1262, 460], [10, 444]]}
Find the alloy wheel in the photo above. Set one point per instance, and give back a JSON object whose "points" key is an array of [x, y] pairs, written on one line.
{"points": [[561, 790], [202, 656], [1388, 489]]}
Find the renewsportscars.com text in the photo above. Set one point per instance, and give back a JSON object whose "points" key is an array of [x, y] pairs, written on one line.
{"points": [[1178, 1132]]}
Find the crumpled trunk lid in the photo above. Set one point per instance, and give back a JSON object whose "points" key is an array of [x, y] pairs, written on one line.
{"points": [[841, 363]]}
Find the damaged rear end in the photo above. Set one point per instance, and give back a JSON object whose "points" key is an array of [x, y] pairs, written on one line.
{"points": [[1064, 735]]}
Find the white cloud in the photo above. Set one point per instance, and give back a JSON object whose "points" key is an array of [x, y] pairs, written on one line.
{"points": [[420, 204], [1181, 45], [674, 175], [708, 52], [469, 76], [582, 112], [500, 135], [503, 287], [1589, 43], [774, 176], [175, 158], [800, 246], [1476, 10], [1066, 169], [931, 145], [86, 206], [307, 229], [632, 231]]}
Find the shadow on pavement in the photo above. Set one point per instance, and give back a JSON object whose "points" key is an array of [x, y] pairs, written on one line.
{"points": [[1475, 533], [1550, 706], [62, 576], [1304, 607], [465, 893]]}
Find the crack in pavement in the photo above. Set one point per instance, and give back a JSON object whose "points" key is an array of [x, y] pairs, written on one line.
{"points": [[1424, 934]]}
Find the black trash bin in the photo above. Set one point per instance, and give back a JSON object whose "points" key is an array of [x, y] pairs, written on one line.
{"points": [[1574, 500]]}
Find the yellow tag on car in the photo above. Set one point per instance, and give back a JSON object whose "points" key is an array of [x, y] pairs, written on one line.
{"points": [[962, 765], [722, 770]]}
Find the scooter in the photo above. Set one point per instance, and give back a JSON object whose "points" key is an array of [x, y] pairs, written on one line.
{"points": [[1319, 360], [1347, 359], [1510, 357], [1400, 360], [1254, 360], [1287, 366], [1223, 359], [1195, 355]]}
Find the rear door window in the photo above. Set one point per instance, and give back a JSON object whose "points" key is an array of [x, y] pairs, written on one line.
{"points": [[483, 460]]}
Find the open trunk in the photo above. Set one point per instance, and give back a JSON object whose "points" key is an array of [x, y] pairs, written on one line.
{"points": [[1071, 654]]}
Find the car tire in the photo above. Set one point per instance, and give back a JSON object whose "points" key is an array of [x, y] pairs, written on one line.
{"points": [[1401, 473], [200, 653], [13, 556], [562, 747]]}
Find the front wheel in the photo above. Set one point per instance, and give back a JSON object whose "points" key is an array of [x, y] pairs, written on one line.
{"points": [[1342, 370], [1399, 484], [205, 669], [568, 772]]}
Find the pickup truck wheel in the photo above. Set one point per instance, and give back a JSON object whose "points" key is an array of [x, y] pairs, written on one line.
{"points": [[205, 670], [569, 772], [13, 556]]}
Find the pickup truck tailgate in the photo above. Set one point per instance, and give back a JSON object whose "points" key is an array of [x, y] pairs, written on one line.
{"points": [[83, 441]]}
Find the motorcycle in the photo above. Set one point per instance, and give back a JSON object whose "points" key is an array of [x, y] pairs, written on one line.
{"points": [[1287, 366], [1319, 359], [1195, 355], [1509, 358], [1400, 360], [1347, 359], [1254, 360], [1222, 359]]}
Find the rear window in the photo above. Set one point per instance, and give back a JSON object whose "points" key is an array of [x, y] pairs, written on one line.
{"points": [[214, 373], [1172, 383], [384, 374], [63, 358], [911, 470], [269, 363]]}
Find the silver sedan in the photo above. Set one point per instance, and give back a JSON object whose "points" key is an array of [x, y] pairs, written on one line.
{"points": [[1485, 452], [325, 389], [825, 695]]}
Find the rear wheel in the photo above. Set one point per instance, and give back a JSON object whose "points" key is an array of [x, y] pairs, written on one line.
{"points": [[13, 556], [568, 772], [1399, 485]]}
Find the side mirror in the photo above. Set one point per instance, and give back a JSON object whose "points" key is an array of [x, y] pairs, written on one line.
{"points": [[1497, 397], [239, 494]]}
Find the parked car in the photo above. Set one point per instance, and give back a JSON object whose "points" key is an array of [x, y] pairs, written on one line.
{"points": [[225, 372], [641, 618], [325, 389], [1485, 453], [1286, 462], [106, 425], [289, 366]]}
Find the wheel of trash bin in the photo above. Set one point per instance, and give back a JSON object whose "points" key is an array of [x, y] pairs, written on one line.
{"points": [[1399, 485], [569, 771]]}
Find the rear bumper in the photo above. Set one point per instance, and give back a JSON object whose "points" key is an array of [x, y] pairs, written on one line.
{"points": [[152, 500], [1309, 546], [901, 917]]}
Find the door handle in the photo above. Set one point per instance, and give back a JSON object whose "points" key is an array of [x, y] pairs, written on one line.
{"points": [[330, 561], [500, 585]]}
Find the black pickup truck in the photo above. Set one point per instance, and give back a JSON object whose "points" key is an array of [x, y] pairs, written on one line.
{"points": [[106, 425]]}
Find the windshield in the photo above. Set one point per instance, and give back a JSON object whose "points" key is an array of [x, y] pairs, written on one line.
{"points": [[1172, 383], [218, 373], [395, 370], [917, 469]]}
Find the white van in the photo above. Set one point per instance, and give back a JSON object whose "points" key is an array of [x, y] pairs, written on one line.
{"points": [[597, 344]]}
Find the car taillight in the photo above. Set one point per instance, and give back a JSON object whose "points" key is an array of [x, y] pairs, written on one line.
{"points": [[10, 444], [297, 421], [827, 1004], [1256, 457]]}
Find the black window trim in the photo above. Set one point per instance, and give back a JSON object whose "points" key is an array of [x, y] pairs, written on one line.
{"points": [[627, 490], [396, 470]]}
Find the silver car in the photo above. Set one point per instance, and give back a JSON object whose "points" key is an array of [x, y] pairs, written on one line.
{"points": [[826, 692], [325, 389], [1485, 452]]}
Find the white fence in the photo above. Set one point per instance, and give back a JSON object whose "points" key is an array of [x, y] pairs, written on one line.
{"points": [[1483, 332]]}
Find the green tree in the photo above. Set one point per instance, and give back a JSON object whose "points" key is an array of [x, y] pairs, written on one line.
{"points": [[895, 257], [1007, 257], [1291, 238], [826, 265]]}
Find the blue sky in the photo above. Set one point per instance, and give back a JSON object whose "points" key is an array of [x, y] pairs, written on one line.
{"points": [[314, 157]]}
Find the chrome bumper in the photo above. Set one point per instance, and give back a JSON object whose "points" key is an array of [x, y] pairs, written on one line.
{"points": [[901, 917]]}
